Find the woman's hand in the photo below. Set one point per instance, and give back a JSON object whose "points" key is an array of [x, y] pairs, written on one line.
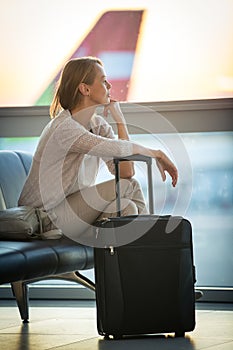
{"points": [[114, 108], [165, 164]]}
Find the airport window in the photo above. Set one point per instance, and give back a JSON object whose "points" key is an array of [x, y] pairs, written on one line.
{"points": [[209, 207], [152, 50], [211, 203]]}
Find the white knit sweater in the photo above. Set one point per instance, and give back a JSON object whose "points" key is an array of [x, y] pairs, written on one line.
{"points": [[54, 173]]}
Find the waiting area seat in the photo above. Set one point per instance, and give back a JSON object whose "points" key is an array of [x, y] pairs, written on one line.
{"points": [[26, 261]]}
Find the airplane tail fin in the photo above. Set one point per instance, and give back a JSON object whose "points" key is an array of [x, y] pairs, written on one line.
{"points": [[113, 39]]}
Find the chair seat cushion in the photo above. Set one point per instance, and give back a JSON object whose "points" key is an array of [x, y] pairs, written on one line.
{"points": [[35, 259]]}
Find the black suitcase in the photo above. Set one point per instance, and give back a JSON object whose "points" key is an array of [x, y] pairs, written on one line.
{"points": [[147, 285]]}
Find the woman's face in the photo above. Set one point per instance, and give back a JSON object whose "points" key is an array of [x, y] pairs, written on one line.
{"points": [[99, 91]]}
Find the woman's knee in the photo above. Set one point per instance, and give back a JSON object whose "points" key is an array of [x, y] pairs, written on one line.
{"points": [[135, 183], [130, 188], [128, 207]]}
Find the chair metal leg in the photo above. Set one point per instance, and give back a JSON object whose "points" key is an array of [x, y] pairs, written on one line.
{"points": [[74, 276], [20, 291]]}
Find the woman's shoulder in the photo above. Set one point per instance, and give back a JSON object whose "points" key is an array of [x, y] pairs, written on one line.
{"points": [[65, 121], [62, 117]]}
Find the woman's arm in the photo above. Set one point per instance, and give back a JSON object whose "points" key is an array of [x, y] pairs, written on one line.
{"points": [[126, 168]]}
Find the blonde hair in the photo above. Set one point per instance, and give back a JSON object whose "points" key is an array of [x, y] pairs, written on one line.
{"points": [[76, 71]]}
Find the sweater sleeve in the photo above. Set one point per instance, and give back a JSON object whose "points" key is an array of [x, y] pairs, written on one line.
{"points": [[72, 137], [103, 128]]}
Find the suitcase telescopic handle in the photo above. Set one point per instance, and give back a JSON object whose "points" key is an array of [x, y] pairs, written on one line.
{"points": [[137, 158]]}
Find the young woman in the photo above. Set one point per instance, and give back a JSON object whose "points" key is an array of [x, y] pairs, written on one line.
{"points": [[64, 168]]}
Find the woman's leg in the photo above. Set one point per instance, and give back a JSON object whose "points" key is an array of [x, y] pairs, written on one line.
{"points": [[81, 209], [132, 199]]}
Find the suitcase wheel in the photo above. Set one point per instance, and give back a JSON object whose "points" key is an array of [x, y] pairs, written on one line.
{"points": [[179, 334]]}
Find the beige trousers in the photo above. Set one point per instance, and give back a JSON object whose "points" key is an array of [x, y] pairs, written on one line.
{"points": [[81, 209]]}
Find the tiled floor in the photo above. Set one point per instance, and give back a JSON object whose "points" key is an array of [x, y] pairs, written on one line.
{"points": [[71, 325]]}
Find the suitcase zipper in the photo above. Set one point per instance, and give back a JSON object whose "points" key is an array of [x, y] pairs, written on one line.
{"points": [[159, 247]]}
